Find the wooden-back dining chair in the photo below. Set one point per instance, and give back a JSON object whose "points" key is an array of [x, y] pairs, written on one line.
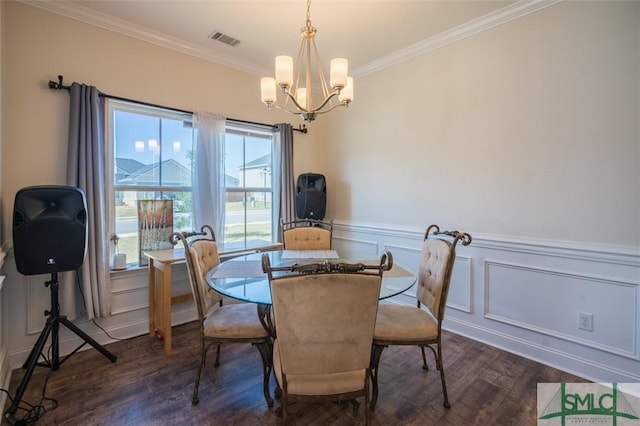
{"points": [[306, 234], [219, 323], [323, 317], [421, 325]]}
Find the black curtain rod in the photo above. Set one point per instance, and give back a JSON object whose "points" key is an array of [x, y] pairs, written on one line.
{"points": [[57, 85]]}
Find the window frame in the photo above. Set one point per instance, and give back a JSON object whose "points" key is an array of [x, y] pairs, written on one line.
{"points": [[232, 127], [258, 131], [111, 188]]}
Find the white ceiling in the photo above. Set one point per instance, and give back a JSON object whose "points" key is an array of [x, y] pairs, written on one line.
{"points": [[370, 33]]}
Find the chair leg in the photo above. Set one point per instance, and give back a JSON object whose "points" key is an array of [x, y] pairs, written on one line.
{"points": [[376, 353], [203, 355], [442, 379], [367, 404], [217, 363], [266, 353], [425, 366], [284, 401], [439, 366], [277, 392]]}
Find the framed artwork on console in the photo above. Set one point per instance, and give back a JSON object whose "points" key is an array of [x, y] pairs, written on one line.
{"points": [[155, 226]]}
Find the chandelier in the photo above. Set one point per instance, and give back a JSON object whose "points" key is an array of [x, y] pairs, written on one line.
{"points": [[301, 93]]}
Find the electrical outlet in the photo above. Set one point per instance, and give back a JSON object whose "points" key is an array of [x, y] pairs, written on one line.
{"points": [[585, 321]]}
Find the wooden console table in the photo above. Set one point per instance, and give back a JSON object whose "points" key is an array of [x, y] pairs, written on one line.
{"points": [[160, 299]]}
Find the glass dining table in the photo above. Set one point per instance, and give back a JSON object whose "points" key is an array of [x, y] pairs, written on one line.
{"points": [[242, 277]]}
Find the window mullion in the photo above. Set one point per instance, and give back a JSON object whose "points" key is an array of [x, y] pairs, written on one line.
{"points": [[250, 189], [145, 188]]}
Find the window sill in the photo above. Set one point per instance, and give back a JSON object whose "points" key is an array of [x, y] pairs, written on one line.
{"points": [[128, 271]]}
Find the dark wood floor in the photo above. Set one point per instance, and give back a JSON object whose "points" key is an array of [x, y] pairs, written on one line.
{"points": [[486, 386]]}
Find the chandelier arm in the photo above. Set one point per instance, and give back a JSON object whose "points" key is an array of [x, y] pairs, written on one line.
{"points": [[293, 99], [281, 108], [326, 101], [313, 112], [344, 104]]}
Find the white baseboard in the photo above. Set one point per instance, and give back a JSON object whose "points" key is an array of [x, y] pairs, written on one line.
{"points": [[570, 363]]}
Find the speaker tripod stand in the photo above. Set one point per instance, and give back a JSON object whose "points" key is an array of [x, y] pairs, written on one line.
{"points": [[54, 319]]}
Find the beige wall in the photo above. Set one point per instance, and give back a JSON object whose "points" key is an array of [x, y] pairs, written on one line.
{"points": [[40, 45], [527, 129]]}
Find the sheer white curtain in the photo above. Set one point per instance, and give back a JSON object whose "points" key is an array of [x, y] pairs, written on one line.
{"points": [[208, 173]]}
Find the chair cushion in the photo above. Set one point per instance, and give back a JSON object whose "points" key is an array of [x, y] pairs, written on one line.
{"points": [[205, 256], [434, 273], [236, 320], [401, 323], [307, 238], [318, 384]]}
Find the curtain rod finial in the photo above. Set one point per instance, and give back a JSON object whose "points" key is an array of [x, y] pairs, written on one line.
{"points": [[56, 85]]}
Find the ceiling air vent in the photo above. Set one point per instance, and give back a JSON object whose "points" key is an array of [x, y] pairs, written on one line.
{"points": [[223, 38]]}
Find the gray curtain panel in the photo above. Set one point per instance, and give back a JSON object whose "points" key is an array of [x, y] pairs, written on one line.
{"points": [[86, 170], [287, 198]]}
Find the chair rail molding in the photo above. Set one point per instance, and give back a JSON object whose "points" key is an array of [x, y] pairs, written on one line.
{"points": [[623, 255]]}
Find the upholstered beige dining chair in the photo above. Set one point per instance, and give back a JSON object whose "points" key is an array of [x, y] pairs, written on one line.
{"points": [[306, 234], [218, 323], [421, 325], [323, 315]]}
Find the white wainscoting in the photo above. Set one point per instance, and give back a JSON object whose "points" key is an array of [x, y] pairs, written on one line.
{"points": [[5, 367], [515, 293], [524, 297], [521, 296]]}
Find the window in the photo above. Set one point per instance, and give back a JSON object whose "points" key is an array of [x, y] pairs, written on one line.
{"points": [[249, 209], [152, 153], [151, 158]]}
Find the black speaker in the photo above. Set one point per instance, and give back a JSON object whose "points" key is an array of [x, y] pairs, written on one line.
{"points": [[49, 229], [311, 196]]}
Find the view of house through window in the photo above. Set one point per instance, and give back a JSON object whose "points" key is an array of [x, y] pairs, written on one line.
{"points": [[152, 160], [249, 187]]}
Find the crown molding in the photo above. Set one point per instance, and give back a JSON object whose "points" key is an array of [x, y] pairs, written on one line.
{"points": [[91, 17], [468, 29]]}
